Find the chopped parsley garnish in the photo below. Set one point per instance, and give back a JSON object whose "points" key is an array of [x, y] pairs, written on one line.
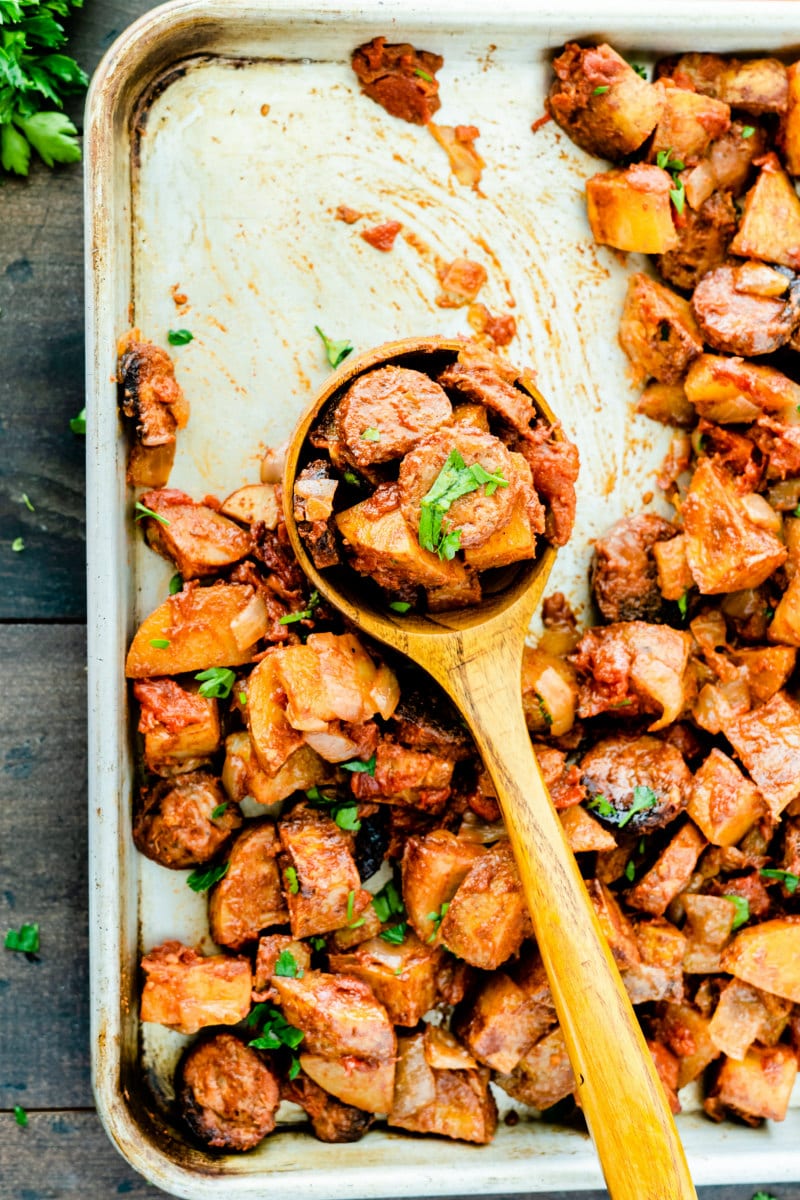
{"points": [[336, 352], [216, 683], [748, 131], [275, 1029], [305, 613], [683, 604], [78, 424], [371, 434], [388, 902], [294, 1068], [437, 918], [546, 715], [742, 907], [288, 966], [395, 933], [643, 798], [243, 698], [26, 501], [764, 1196], [143, 511], [454, 480], [678, 195], [25, 939], [630, 870], [399, 606], [290, 875], [159, 643], [360, 768], [787, 878], [180, 337], [219, 811], [665, 160], [423, 74], [600, 805], [175, 585], [351, 478], [18, 544], [601, 90], [318, 943], [351, 899], [640, 70], [20, 1116], [202, 878], [343, 812]]}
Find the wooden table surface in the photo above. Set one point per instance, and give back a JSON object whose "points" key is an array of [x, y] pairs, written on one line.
{"points": [[44, 1005]]}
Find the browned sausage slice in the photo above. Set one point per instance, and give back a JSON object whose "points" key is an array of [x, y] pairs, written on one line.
{"points": [[624, 575], [174, 826], [385, 413], [476, 515], [741, 322], [227, 1093], [617, 765]]}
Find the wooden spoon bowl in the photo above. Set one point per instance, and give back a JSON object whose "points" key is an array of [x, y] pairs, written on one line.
{"points": [[475, 655]]}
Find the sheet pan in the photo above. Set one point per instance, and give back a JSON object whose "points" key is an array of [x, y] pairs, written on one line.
{"points": [[220, 138]]}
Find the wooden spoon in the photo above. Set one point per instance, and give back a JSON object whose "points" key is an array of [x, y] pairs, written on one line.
{"points": [[476, 656]]}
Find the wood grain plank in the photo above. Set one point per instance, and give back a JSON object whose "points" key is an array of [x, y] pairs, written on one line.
{"points": [[44, 1007]]}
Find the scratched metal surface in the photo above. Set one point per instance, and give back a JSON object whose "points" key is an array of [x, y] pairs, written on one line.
{"points": [[239, 167]]}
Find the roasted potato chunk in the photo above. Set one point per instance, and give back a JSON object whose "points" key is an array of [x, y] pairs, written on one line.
{"points": [[272, 738], [451, 1103], [270, 949], [402, 977], [227, 1094], [243, 776], [584, 833], [181, 728], [785, 625], [672, 569], [321, 880], [657, 331], [507, 1014], [616, 926], [767, 740], [789, 132], [196, 538], [544, 1076], [768, 956], [549, 692], [688, 124], [758, 1087], [743, 1015], [487, 918], [187, 992], [434, 867], [685, 1031], [670, 874], [174, 824], [770, 224], [630, 209], [248, 898], [722, 801], [339, 1016], [252, 503], [703, 238], [758, 85], [733, 391]]}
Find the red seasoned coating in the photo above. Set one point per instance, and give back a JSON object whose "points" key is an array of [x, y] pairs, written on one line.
{"points": [[227, 1093], [399, 78], [174, 825]]}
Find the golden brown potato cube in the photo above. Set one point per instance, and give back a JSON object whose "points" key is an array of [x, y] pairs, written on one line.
{"points": [[332, 678], [667, 404], [709, 925], [785, 625], [320, 877], [544, 1076], [674, 576], [660, 943], [434, 866], [248, 898], [734, 391], [768, 956], [689, 122], [685, 1032], [181, 728], [739, 1018], [366, 1085], [600, 101], [339, 1016], [508, 1013], [758, 86], [670, 874], [195, 537], [345, 939], [216, 626], [516, 540], [770, 225], [270, 949], [406, 776], [768, 668], [767, 740], [174, 823], [452, 1103], [403, 977], [723, 803], [726, 549], [658, 331], [549, 692], [273, 738], [255, 502], [187, 992], [614, 923], [242, 774], [756, 1088], [487, 918], [584, 833], [789, 131], [630, 209]]}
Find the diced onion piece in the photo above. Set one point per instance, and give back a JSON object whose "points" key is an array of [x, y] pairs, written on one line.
{"points": [[318, 495], [444, 1053], [332, 746], [273, 462], [385, 691], [250, 624], [761, 512]]}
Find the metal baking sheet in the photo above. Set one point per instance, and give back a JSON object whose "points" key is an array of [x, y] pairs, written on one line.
{"points": [[221, 137]]}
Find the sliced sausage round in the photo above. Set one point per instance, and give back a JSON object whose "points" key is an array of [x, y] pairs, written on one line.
{"points": [[227, 1094], [616, 766], [174, 825], [624, 575], [386, 412], [742, 323], [476, 514]]}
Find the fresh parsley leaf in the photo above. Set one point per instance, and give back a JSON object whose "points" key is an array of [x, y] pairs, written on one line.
{"points": [[683, 604], [351, 478], [318, 943], [346, 817], [27, 503], [395, 933], [288, 966], [399, 606], [546, 715], [678, 195], [454, 480], [742, 906], [275, 1030], [180, 337], [643, 798], [371, 434], [423, 74], [52, 135], [18, 544], [175, 585], [159, 643], [20, 1116], [600, 805], [747, 132], [78, 424], [25, 939], [305, 614], [787, 878], [599, 91], [351, 899], [640, 70], [630, 870], [290, 875], [216, 683], [359, 768], [202, 878], [243, 698], [294, 1068], [336, 352], [437, 918], [388, 902], [143, 511], [219, 811], [764, 1196]]}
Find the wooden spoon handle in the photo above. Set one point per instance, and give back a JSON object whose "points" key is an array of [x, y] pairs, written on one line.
{"points": [[618, 1087]]}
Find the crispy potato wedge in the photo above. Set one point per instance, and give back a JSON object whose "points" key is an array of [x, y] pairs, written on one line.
{"points": [[434, 867], [403, 977], [365, 1085], [658, 331], [770, 224], [253, 503], [248, 898], [768, 956], [187, 992], [756, 1088], [689, 122], [767, 740], [339, 1016], [630, 209], [723, 802]]}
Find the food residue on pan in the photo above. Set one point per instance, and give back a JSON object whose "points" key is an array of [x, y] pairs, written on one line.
{"points": [[382, 237]]}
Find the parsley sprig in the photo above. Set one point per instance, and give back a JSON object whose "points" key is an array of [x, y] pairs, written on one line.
{"points": [[216, 683], [437, 918], [789, 880], [288, 966], [275, 1032], [202, 878], [343, 812], [33, 83], [336, 352], [25, 939], [643, 798], [677, 193], [304, 614], [742, 906], [454, 480]]}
